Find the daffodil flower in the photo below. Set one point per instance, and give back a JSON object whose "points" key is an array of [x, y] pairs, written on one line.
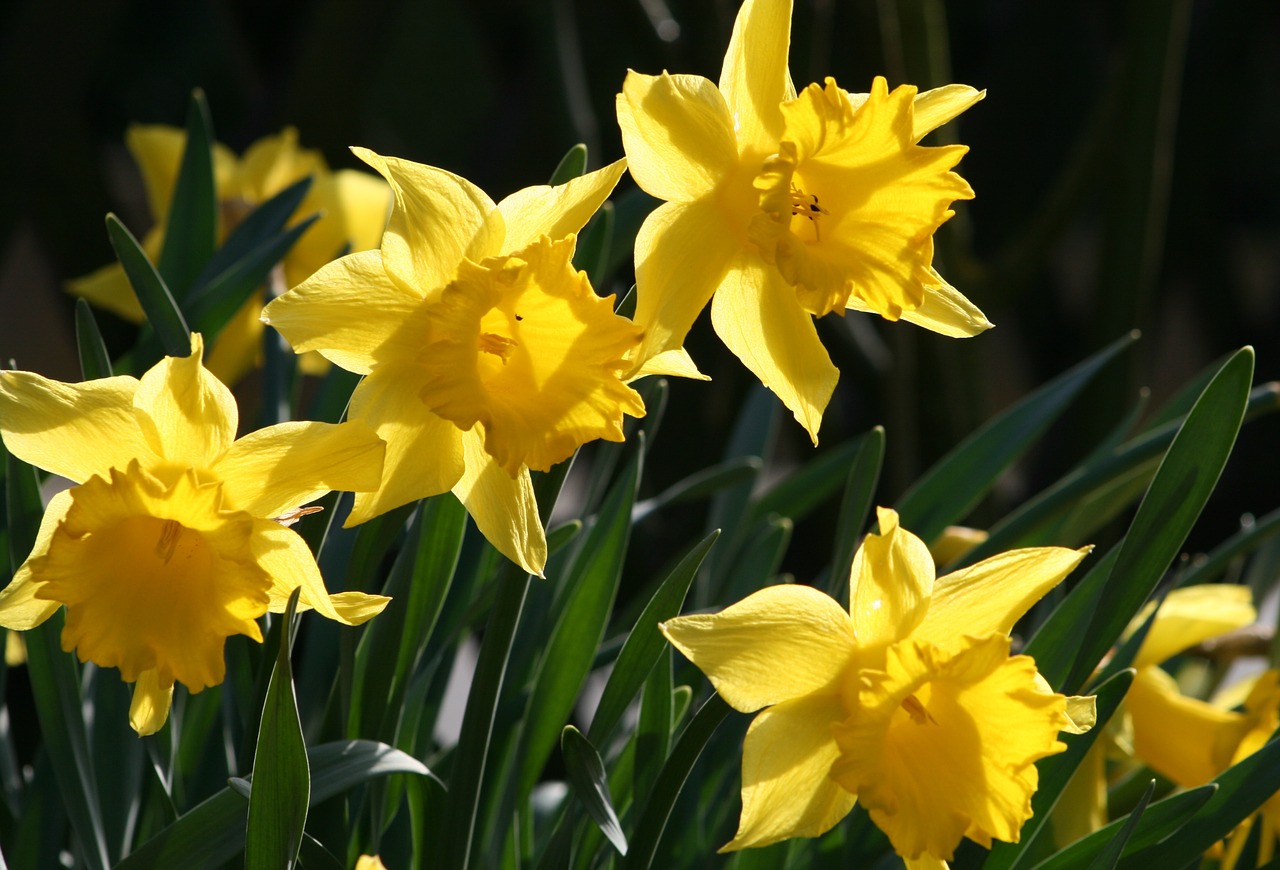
{"points": [[781, 207], [1188, 740], [172, 540], [485, 353], [909, 702], [353, 207]]}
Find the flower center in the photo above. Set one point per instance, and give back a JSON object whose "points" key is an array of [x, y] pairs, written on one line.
{"points": [[918, 712], [170, 534], [498, 345], [806, 205]]}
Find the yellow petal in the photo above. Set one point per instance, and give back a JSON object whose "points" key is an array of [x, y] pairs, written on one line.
{"points": [[424, 452], [19, 608], [1185, 739], [503, 507], [1082, 712], [890, 583], [1082, 809], [943, 746], [935, 107], [283, 554], [353, 313], [754, 76], [75, 430], [108, 288], [682, 255], [677, 133], [954, 543], [154, 576], [188, 416], [1192, 615], [756, 315], [438, 218], [676, 363], [274, 470], [785, 759], [925, 862], [556, 212], [149, 709], [369, 862], [524, 346], [944, 310], [775, 645], [236, 350], [157, 149], [989, 597], [365, 204]]}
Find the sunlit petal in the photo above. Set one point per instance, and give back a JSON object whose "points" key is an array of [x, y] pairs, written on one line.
{"points": [[935, 107], [890, 583], [786, 756], [283, 554], [756, 315], [775, 645], [503, 507], [1192, 615], [188, 416], [754, 76], [1185, 739], [19, 608], [556, 212], [149, 709]]}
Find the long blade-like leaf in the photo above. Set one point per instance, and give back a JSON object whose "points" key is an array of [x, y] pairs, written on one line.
{"points": [[587, 776], [191, 230], [153, 294]]}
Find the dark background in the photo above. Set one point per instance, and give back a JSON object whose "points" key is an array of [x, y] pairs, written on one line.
{"points": [[1124, 162]]}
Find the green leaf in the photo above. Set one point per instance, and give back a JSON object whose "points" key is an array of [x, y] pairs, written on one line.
{"points": [[213, 833], [657, 810], [587, 776], [855, 507], [153, 294], [1242, 789], [191, 231], [55, 682], [590, 589], [645, 643], [954, 486], [1110, 856], [1055, 772], [758, 561], [94, 361], [572, 165], [1182, 485], [798, 494], [282, 779], [735, 472], [1160, 821], [592, 252]]}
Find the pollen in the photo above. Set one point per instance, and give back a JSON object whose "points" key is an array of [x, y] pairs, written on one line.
{"points": [[498, 345], [170, 532], [807, 205], [918, 712]]}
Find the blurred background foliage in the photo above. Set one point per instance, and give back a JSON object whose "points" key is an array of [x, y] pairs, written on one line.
{"points": [[1123, 163]]}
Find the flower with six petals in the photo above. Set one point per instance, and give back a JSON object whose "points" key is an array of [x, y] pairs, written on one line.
{"points": [[909, 702], [485, 353], [781, 207], [175, 536]]}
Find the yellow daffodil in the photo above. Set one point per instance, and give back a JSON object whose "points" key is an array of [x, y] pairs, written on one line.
{"points": [[176, 535], [1188, 740], [909, 702], [353, 207], [781, 207], [485, 353], [370, 862]]}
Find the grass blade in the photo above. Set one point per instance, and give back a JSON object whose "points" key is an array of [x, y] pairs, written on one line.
{"points": [[94, 361], [191, 231], [587, 776], [152, 291]]}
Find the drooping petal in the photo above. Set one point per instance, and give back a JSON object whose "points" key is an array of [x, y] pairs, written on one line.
{"points": [[438, 218], [1185, 739], [937, 106], [19, 608], [287, 559], [989, 597], [353, 313], [154, 576], [754, 76], [890, 583], [683, 253], [524, 346], [189, 417], [756, 315], [108, 288], [424, 452], [365, 204], [357, 608], [954, 543], [1192, 615], [677, 133], [944, 310], [944, 746], [75, 430], [275, 470], [236, 350], [786, 756], [502, 507], [775, 645], [158, 149], [149, 709], [556, 212], [1082, 809]]}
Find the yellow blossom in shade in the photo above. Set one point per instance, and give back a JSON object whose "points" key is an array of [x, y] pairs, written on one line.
{"points": [[353, 209], [782, 206], [176, 535], [370, 862], [485, 353], [903, 702]]}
